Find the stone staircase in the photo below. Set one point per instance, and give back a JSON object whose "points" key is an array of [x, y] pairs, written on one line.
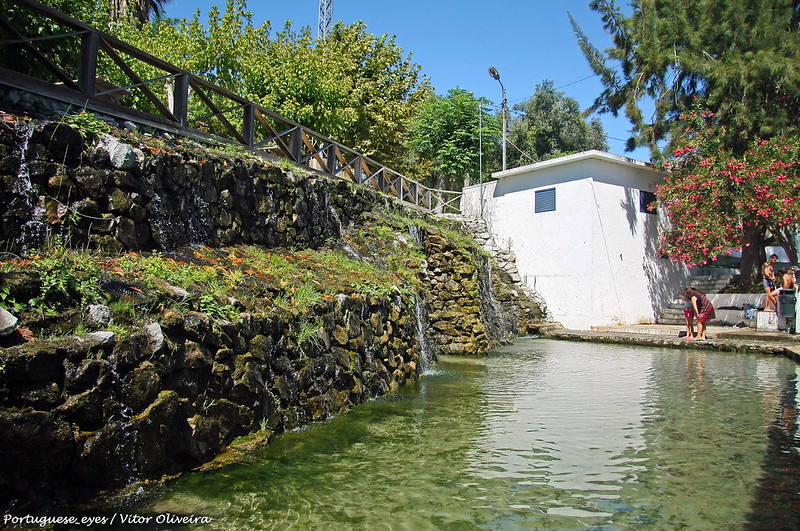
{"points": [[711, 285]]}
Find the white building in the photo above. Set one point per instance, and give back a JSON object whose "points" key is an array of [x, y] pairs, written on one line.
{"points": [[583, 237]]}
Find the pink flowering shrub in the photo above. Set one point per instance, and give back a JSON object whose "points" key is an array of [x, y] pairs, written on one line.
{"points": [[713, 198]]}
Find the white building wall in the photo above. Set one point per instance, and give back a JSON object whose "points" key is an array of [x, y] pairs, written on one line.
{"points": [[594, 259]]}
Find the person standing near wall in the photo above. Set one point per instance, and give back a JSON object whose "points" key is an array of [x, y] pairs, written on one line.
{"points": [[768, 279], [704, 311], [688, 313]]}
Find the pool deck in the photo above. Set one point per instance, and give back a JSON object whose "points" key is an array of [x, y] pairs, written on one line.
{"points": [[725, 338]]}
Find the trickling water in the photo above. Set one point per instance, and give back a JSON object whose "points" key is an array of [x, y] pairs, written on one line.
{"points": [[499, 322], [417, 234], [349, 249], [162, 223], [427, 348], [33, 231]]}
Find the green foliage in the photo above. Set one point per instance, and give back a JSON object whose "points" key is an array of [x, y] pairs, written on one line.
{"points": [[65, 274], [87, 123], [308, 333], [208, 304], [8, 302], [447, 131], [739, 57], [123, 310], [306, 297], [551, 125], [154, 266]]}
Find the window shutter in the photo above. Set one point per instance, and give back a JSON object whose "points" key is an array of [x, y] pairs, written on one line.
{"points": [[545, 200]]}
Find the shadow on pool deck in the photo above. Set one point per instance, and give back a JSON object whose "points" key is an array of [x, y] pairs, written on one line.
{"points": [[724, 338]]}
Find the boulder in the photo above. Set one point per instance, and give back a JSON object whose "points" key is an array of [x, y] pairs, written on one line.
{"points": [[8, 323]]}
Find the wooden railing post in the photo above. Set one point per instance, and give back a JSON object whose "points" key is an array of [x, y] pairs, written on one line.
{"points": [[181, 98], [249, 124], [87, 70], [296, 144], [330, 159], [381, 179], [357, 171]]}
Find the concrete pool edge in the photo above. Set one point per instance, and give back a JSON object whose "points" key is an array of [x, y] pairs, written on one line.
{"points": [[720, 338]]}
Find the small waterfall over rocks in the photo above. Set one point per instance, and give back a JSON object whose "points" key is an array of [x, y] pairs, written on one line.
{"points": [[27, 204], [349, 249], [499, 320], [427, 347]]}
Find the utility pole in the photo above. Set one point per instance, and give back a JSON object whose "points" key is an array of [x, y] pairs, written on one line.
{"points": [[325, 19]]}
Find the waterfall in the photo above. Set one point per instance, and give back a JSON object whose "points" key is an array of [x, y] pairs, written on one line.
{"points": [[499, 321], [417, 234], [34, 229], [427, 348], [349, 249]]}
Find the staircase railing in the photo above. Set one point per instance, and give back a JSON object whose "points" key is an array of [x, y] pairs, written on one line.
{"points": [[45, 52]]}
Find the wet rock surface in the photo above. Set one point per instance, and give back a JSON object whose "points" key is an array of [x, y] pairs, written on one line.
{"points": [[86, 413]]}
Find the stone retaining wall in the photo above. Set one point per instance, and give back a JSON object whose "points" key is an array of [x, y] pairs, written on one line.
{"points": [[152, 196], [80, 415]]}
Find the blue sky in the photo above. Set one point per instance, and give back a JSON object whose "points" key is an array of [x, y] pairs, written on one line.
{"points": [[455, 42]]}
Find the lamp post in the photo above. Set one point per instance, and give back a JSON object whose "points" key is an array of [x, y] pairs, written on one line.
{"points": [[495, 74], [480, 151]]}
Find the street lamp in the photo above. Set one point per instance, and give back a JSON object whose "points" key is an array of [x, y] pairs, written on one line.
{"points": [[495, 74], [480, 151]]}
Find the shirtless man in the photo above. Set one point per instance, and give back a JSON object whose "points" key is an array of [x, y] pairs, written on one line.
{"points": [[768, 274], [788, 279]]}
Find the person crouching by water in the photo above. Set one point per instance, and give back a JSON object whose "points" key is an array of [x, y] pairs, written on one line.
{"points": [[703, 309], [688, 313]]}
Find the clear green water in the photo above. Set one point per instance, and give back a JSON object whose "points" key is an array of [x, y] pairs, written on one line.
{"points": [[539, 435]]}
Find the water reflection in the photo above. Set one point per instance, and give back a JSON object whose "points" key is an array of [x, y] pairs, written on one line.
{"points": [[541, 434], [566, 421], [622, 436], [776, 504]]}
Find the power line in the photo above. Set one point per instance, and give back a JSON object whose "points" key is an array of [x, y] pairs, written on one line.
{"points": [[559, 87]]}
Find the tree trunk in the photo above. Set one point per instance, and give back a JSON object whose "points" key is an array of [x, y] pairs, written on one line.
{"points": [[752, 256], [786, 239]]}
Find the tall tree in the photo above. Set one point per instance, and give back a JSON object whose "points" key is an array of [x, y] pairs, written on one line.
{"points": [[551, 125], [738, 56], [354, 86], [448, 131]]}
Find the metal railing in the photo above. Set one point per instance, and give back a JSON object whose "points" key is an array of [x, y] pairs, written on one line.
{"points": [[44, 51]]}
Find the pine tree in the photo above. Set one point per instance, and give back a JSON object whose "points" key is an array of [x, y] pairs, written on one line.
{"points": [[739, 57]]}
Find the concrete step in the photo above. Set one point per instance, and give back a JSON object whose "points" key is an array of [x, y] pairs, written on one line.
{"points": [[710, 283]]}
